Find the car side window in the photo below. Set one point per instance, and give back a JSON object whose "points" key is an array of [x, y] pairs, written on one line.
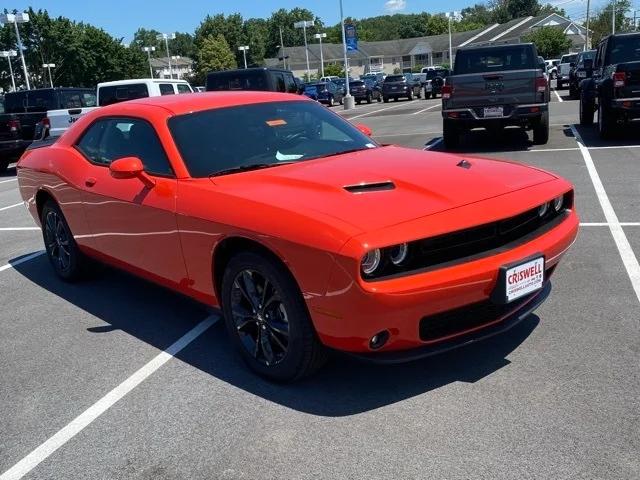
{"points": [[110, 139], [280, 87], [182, 88], [290, 83], [166, 89]]}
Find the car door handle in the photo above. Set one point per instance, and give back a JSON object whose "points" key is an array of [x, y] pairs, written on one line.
{"points": [[90, 182]]}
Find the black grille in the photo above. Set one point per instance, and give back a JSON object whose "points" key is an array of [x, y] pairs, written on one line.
{"points": [[452, 322], [475, 242]]}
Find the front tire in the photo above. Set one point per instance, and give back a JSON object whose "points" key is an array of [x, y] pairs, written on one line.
{"points": [[267, 319], [587, 108], [331, 101], [385, 99], [369, 99], [62, 250]]}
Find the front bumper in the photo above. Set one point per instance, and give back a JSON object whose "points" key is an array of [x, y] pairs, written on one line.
{"points": [[497, 327], [353, 311]]}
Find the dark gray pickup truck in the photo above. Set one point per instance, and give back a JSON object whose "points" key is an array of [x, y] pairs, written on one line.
{"points": [[493, 87]]}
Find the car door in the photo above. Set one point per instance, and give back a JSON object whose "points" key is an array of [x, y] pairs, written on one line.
{"points": [[132, 222]]}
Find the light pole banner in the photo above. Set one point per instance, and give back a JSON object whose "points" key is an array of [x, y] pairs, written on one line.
{"points": [[351, 37]]}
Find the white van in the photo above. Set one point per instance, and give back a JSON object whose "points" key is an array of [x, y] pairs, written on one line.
{"points": [[122, 90]]}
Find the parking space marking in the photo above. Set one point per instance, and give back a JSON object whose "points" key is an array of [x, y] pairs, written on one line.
{"points": [[605, 224], [11, 206], [17, 229], [7, 181], [76, 425], [558, 95], [629, 259], [379, 110], [405, 134], [425, 109], [15, 263], [552, 150]]}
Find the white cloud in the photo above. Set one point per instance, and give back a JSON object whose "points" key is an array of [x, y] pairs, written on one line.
{"points": [[395, 5]]}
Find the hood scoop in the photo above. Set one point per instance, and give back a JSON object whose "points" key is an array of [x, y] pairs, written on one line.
{"points": [[370, 187]]}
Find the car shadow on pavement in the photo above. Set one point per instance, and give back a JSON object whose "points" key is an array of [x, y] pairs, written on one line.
{"points": [[485, 141], [9, 172], [345, 386], [626, 136]]}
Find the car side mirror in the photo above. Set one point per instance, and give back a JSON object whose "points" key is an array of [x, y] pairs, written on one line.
{"points": [[364, 129], [130, 167], [588, 64]]}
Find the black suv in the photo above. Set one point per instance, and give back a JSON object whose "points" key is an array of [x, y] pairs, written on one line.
{"points": [[614, 88], [269, 79], [580, 71], [363, 91], [399, 86]]}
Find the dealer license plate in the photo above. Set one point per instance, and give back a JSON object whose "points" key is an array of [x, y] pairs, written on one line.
{"points": [[524, 279], [490, 112]]}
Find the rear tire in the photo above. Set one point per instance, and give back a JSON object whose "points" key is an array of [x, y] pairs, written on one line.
{"points": [[385, 99], [541, 130], [331, 101], [450, 134], [410, 96], [606, 122], [573, 92], [434, 94], [4, 164], [369, 99], [62, 250], [587, 108], [278, 341]]}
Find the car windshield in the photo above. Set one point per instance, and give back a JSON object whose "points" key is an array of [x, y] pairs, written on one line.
{"points": [[479, 60], [339, 81], [394, 78], [311, 89], [591, 54], [569, 58], [625, 49], [431, 74], [357, 83], [262, 135]]}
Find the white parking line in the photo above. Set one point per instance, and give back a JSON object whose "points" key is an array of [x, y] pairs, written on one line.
{"points": [[622, 242], [379, 110], [11, 206], [69, 431], [425, 109], [558, 95], [7, 181], [15, 263], [405, 134], [552, 150], [17, 229], [605, 224]]}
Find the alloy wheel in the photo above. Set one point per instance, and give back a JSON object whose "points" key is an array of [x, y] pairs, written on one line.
{"points": [[57, 241], [260, 317]]}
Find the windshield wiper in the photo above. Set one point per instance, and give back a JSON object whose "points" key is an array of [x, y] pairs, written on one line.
{"points": [[246, 168]]}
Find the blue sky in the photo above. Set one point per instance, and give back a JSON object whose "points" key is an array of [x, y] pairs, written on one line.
{"points": [[121, 18]]}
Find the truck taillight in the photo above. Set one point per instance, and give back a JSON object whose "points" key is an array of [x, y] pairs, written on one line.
{"points": [[619, 79], [541, 84], [46, 122], [447, 90], [14, 125]]}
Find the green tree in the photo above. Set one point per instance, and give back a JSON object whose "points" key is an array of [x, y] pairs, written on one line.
{"points": [[215, 55], [255, 33], [551, 42], [333, 69], [284, 19], [600, 24]]}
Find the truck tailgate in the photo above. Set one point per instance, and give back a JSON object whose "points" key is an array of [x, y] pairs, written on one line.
{"points": [[61, 120], [493, 88]]}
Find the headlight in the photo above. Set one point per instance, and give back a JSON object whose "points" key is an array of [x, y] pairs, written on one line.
{"points": [[543, 209], [370, 262], [398, 253], [557, 203]]}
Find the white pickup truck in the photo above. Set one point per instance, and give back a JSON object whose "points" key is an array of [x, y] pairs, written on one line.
{"points": [[564, 69]]}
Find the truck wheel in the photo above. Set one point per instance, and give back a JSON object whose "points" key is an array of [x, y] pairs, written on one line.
{"points": [[4, 164], [586, 111], [573, 92], [331, 102], [369, 99], [434, 94], [410, 96], [386, 99], [541, 130], [379, 98], [606, 122], [450, 134]]}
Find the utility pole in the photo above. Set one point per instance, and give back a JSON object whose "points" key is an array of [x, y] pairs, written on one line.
{"points": [[320, 36], [303, 24], [586, 38], [16, 19], [149, 50], [284, 55], [613, 17]]}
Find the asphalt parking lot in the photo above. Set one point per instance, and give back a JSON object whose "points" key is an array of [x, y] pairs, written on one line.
{"points": [[86, 391]]}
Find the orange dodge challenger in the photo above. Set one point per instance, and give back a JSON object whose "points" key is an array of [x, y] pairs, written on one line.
{"points": [[305, 232]]}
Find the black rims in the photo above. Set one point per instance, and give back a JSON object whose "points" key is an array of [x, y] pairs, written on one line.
{"points": [[57, 241], [260, 317]]}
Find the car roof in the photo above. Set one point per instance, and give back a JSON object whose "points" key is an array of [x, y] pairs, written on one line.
{"points": [[482, 46], [140, 80], [195, 102]]}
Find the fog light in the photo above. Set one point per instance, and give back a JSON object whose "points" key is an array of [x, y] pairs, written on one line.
{"points": [[543, 209], [378, 340], [557, 203], [370, 262]]}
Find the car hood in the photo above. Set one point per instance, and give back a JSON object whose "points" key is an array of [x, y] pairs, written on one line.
{"points": [[385, 186]]}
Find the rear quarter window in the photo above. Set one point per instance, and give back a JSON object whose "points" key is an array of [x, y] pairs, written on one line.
{"points": [[237, 81], [119, 93], [183, 88], [166, 89]]}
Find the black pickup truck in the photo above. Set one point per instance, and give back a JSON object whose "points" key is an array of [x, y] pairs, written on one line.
{"points": [[614, 89], [23, 112], [493, 87]]}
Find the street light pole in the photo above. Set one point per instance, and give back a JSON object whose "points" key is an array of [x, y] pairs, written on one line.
{"points": [[244, 49], [320, 36], [284, 55], [175, 59], [613, 17], [349, 101], [149, 50], [586, 37], [8, 54], [16, 19], [49, 66], [166, 37], [304, 24], [451, 16]]}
